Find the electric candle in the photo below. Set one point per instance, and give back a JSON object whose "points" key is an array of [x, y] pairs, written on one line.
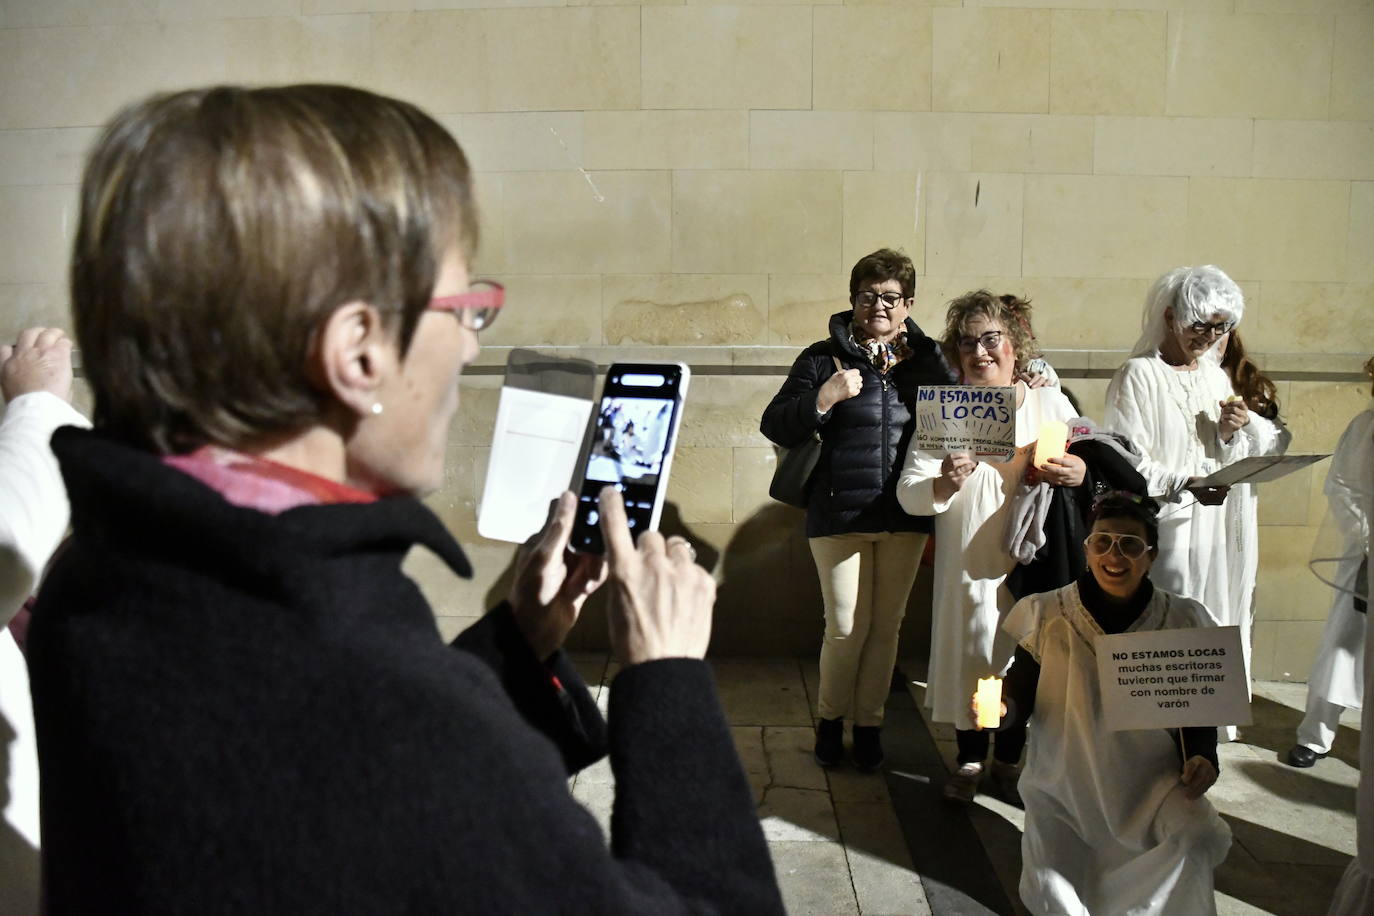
{"points": [[1054, 435], [989, 702]]}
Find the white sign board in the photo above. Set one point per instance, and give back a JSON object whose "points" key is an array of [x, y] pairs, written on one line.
{"points": [[1173, 678], [966, 418], [1258, 469]]}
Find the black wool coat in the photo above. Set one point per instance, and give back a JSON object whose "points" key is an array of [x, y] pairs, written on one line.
{"points": [[253, 714], [864, 439]]}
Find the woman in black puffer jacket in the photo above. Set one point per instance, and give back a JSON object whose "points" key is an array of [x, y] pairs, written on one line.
{"points": [[866, 548]]}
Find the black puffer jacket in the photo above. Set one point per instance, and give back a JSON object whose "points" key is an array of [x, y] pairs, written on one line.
{"points": [[864, 439]]}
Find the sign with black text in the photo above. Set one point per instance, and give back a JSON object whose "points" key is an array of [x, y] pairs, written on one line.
{"points": [[977, 419], [1173, 678]]}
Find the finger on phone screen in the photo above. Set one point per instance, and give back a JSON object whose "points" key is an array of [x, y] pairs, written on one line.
{"points": [[615, 531]]}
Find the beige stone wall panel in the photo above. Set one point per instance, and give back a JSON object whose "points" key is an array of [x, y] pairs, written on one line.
{"points": [[1031, 143], [732, 222], [490, 189], [1103, 226], [1315, 149], [36, 229], [723, 411], [700, 484], [810, 140], [686, 310], [1361, 243], [1317, 413], [872, 58], [726, 57], [536, 141], [27, 305], [1270, 230], [991, 60], [548, 311], [476, 418], [1294, 645], [31, 14], [1310, 318], [600, 222], [464, 61], [1107, 62], [974, 224], [68, 77], [1221, 147], [679, 139], [1085, 313], [1249, 65], [44, 156], [799, 309], [1352, 66], [922, 142], [883, 210], [752, 475], [336, 7]]}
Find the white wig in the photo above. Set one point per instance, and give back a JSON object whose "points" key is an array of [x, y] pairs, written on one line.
{"points": [[1195, 294]]}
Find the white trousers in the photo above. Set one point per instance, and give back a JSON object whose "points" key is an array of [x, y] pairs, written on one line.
{"points": [[865, 581]]}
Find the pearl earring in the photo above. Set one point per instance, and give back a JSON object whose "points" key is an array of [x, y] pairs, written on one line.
{"points": [[377, 408]]}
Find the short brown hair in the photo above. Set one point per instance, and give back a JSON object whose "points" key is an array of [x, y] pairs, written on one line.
{"points": [[883, 265], [1011, 312], [220, 227]]}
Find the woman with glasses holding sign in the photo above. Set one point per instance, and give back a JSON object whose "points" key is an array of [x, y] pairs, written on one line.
{"points": [[970, 499], [243, 703], [1175, 403], [1115, 820], [856, 389]]}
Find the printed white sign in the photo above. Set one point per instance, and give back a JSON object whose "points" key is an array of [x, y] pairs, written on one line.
{"points": [[966, 418], [1258, 469], [1173, 678], [533, 451]]}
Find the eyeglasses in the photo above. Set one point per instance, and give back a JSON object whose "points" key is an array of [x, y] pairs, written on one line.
{"points": [[869, 299], [1130, 546], [1213, 330], [475, 309], [989, 341]]}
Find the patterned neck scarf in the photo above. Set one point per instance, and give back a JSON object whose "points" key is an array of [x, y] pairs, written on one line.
{"points": [[883, 356]]}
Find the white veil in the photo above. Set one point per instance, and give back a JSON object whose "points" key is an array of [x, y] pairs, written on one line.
{"points": [[1195, 294]]}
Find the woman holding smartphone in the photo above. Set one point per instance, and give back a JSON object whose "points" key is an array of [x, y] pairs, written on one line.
{"points": [[856, 389], [243, 704]]}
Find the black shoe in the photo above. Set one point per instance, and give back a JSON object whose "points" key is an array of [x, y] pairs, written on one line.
{"points": [[868, 749], [829, 742], [1302, 756]]}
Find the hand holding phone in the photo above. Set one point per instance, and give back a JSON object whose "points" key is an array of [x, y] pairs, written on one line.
{"points": [[630, 447], [661, 600]]}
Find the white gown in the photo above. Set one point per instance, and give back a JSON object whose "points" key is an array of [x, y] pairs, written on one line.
{"points": [[33, 517], [1108, 829], [971, 560], [1208, 553], [1338, 672]]}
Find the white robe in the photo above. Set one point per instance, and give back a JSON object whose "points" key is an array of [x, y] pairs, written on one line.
{"points": [[1108, 828], [33, 518], [1338, 671], [1207, 553], [1355, 894], [971, 559]]}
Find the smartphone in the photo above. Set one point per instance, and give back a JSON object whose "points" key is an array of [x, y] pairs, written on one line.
{"points": [[630, 444]]}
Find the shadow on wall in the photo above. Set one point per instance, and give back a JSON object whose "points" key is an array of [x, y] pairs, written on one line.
{"points": [[768, 602]]}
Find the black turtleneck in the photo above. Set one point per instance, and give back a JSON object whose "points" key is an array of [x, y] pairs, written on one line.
{"points": [[1113, 616]]}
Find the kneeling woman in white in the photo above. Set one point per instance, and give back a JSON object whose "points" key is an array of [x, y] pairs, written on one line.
{"points": [[1115, 820]]}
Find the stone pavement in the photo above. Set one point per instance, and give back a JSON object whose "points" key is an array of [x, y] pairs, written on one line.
{"points": [[886, 844]]}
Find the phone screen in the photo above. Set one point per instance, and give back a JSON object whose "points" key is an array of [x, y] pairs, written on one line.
{"points": [[634, 431]]}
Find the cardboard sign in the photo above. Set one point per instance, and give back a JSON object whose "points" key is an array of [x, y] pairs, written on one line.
{"points": [[1173, 678], [966, 418]]}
